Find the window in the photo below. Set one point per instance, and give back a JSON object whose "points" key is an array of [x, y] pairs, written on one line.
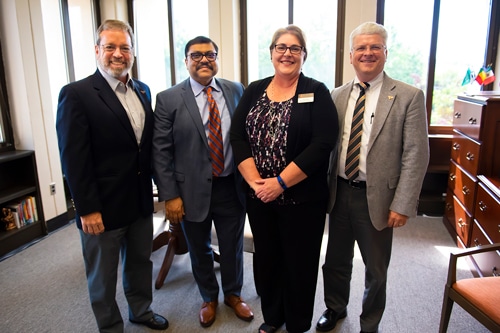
{"points": [[320, 35], [79, 32], [6, 136], [152, 54], [458, 48], [160, 45], [462, 32]]}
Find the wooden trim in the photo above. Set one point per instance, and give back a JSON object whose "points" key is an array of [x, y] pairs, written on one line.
{"points": [[339, 59], [244, 43]]}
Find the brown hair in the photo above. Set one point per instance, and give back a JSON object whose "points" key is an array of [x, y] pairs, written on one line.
{"points": [[114, 25], [293, 30]]}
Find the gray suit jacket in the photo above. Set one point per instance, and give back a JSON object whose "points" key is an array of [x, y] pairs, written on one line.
{"points": [[398, 150], [181, 160]]}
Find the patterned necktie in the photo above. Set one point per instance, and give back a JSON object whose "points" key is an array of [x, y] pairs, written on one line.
{"points": [[353, 149], [215, 135]]}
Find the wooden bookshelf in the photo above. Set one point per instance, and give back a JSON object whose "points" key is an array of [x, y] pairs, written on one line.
{"points": [[19, 179]]}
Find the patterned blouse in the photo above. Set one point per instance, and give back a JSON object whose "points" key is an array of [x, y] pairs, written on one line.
{"points": [[267, 129]]}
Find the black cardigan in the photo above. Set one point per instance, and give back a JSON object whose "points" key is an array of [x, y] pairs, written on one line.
{"points": [[312, 135]]}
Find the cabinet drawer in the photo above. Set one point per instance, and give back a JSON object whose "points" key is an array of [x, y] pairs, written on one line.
{"points": [[459, 218], [465, 151], [462, 185], [488, 213], [467, 118], [449, 211], [487, 264]]}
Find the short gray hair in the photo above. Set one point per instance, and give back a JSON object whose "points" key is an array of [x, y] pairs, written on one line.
{"points": [[369, 28]]}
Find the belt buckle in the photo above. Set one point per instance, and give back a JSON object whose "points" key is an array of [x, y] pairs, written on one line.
{"points": [[354, 183]]}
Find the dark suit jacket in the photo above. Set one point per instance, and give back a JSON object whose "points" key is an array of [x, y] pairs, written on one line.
{"points": [[181, 158], [105, 168]]}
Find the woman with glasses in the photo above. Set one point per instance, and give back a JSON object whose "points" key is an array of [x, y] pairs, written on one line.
{"points": [[282, 137]]}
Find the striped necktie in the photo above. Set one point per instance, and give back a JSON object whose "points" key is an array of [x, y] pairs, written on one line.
{"points": [[215, 144], [353, 149]]}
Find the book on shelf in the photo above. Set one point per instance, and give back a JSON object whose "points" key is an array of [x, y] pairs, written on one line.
{"points": [[24, 210], [17, 211]]}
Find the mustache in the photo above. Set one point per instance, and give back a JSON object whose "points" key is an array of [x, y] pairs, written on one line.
{"points": [[204, 64]]}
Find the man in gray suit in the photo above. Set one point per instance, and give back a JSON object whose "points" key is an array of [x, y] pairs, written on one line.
{"points": [[198, 185], [376, 188]]}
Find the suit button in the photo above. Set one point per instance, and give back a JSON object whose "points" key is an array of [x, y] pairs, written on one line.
{"points": [[138, 173]]}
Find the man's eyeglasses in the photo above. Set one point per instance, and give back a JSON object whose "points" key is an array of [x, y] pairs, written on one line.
{"points": [[375, 48], [197, 56], [294, 49], [111, 48]]}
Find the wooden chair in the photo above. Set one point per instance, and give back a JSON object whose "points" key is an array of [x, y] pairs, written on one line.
{"points": [[176, 243], [479, 296], [173, 238]]}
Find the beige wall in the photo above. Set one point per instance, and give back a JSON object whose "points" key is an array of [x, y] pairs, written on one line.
{"points": [[31, 90]]}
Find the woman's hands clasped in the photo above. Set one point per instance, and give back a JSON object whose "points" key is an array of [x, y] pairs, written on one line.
{"points": [[267, 189]]}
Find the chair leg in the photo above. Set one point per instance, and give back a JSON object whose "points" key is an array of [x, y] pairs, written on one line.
{"points": [[167, 262], [445, 312]]}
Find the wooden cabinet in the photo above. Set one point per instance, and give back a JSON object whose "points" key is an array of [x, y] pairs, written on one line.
{"points": [[472, 209], [18, 181], [476, 138], [486, 227]]}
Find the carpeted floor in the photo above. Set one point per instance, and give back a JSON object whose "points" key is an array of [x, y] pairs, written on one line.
{"points": [[44, 289]]}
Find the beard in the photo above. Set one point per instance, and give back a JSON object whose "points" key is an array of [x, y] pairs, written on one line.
{"points": [[117, 68]]}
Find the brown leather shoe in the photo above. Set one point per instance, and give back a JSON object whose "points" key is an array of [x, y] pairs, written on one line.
{"points": [[207, 313], [241, 309]]}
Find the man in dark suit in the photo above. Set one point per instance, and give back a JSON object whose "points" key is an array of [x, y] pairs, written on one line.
{"points": [[105, 129], [197, 184], [376, 189]]}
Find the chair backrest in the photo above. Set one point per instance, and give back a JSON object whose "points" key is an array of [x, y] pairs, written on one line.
{"points": [[478, 296]]}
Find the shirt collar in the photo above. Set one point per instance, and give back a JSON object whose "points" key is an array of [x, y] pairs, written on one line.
{"points": [[198, 88], [114, 82], [373, 83]]}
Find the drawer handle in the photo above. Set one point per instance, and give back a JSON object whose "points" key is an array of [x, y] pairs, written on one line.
{"points": [[469, 156], [452, 176], [482, 206], [461, 223], [465, 190], [456, 146], [476, 242], [494, 271], [448, 207], [458, 115], [472, 121]]}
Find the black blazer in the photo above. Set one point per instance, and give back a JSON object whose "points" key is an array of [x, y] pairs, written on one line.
{"points": [[312, 134], [105, 168]]}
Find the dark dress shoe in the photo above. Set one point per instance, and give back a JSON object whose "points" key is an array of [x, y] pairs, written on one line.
{"points": [[329, 319], [156, 322], [241, 309], [207, 313]]}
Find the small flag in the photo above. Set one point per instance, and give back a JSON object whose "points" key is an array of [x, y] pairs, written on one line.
{"points": [[469, 77], [485, 76]]}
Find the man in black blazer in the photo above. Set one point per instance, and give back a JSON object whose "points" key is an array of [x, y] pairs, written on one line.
{"points": [[194, 190], [105, 129]]}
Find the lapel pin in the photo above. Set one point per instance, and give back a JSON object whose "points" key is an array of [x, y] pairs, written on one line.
{"points": [[390, 97], [143, 92]]}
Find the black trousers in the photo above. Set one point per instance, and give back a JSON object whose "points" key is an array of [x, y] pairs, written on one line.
{"points": [[287, 242]]}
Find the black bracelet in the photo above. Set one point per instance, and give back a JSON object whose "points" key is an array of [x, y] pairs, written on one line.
{"points": [[282, 183]]}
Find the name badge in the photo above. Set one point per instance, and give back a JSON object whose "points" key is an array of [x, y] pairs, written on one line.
{"points": [[306, 98]]}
